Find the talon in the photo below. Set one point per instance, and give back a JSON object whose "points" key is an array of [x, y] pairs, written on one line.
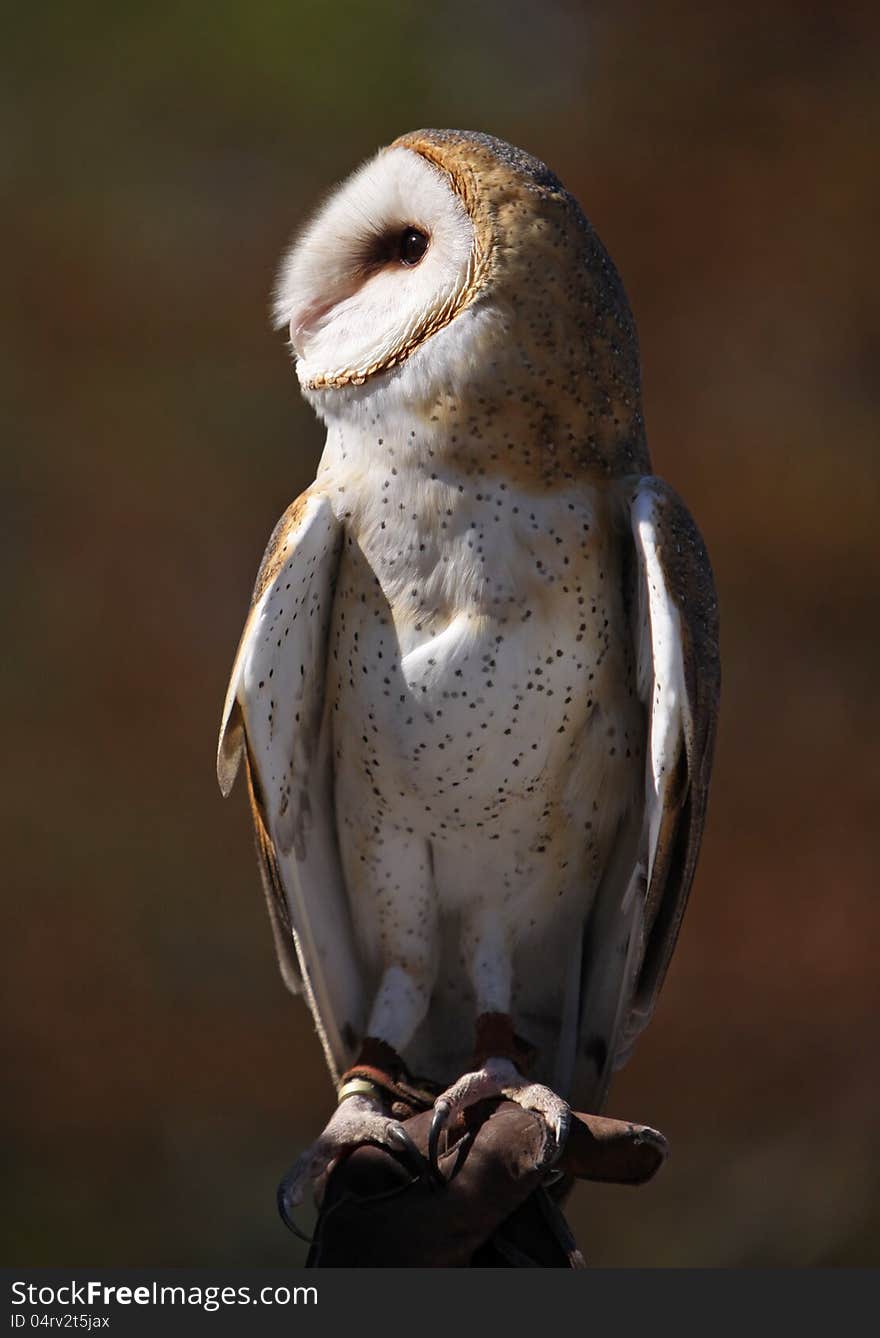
{"points": [[282, 1196], [439, 1120], [397, 1137], [355, 1121], [561, 1127]]}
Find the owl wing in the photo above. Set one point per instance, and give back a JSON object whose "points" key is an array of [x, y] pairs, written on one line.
{"points": [[639, 907], [275, 718]]}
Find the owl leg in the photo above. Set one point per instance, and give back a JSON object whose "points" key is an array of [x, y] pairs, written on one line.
{"points": [[499, 1076], [363, 1115], [501, 1057], [377, 1085], [404, 909]]}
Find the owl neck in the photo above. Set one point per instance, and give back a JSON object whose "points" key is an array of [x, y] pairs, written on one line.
{"points": [[518, 419], [526, 425]]}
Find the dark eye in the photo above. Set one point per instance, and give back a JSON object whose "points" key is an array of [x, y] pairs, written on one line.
{"points": [[411, 246]]}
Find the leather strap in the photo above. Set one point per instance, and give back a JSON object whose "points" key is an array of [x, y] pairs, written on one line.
{"points": [[381, 1066], [496, 1039]]}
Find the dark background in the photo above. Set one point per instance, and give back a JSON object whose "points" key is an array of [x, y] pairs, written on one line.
{"points": [[158, 1077]]}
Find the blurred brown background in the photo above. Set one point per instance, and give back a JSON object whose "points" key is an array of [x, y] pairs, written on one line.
{"points": [[158, 1077]]}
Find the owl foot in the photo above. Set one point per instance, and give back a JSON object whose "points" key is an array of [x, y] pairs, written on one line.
{"points": [[501, 1078], [358, 1119]]}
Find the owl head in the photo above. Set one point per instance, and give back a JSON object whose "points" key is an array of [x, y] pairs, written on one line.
{"points": [[452, 262]]}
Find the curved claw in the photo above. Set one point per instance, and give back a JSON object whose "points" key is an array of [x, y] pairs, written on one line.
{"points": [[281, 1198], [560, 1131], [439, 1120], [397, 1138]]}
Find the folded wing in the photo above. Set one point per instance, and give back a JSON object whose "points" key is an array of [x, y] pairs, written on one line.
{"points": [[275, 718], [638, 910]]}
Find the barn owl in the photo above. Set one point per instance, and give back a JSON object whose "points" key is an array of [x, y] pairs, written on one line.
{"points": [[477, 688]]}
